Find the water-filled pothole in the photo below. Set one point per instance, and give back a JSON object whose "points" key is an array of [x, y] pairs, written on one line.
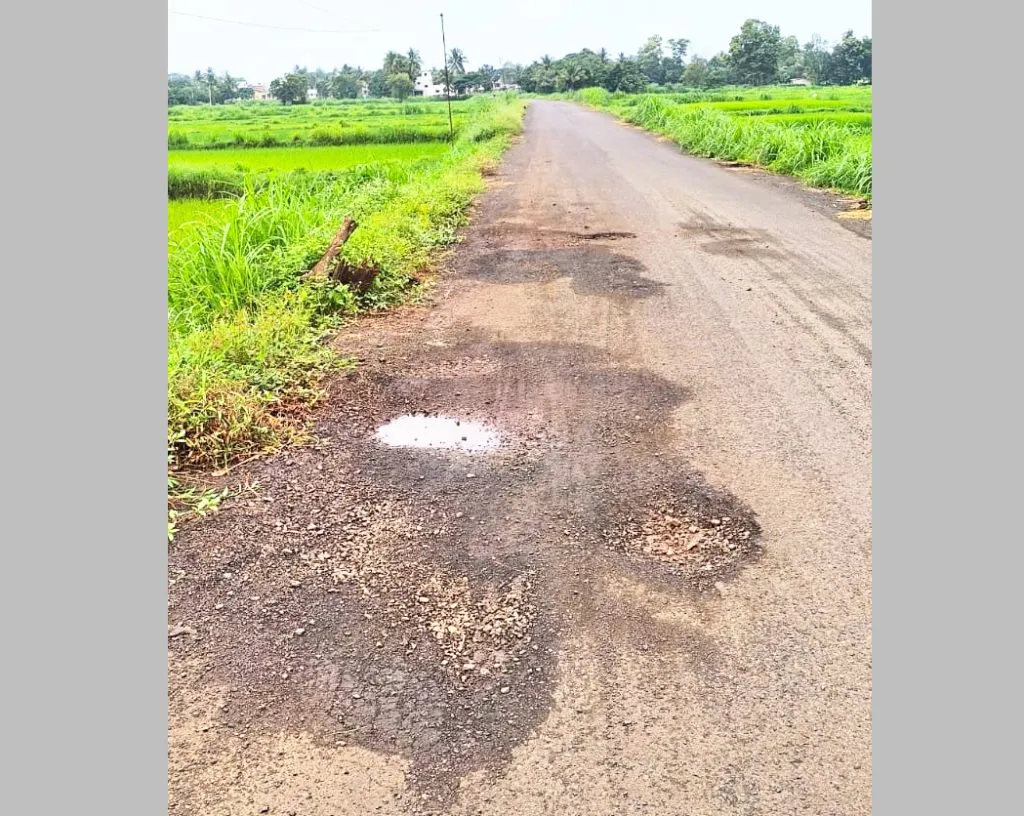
{"points": [[442, 432]]}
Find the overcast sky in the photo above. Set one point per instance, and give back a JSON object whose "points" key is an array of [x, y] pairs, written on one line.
{"points": [[519, 31]]}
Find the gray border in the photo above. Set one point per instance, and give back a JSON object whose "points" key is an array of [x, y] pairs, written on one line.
{"points": [[86, 468], [84, 322], [945, 276]]}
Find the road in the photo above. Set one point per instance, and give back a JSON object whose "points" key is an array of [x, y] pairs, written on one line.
{"points": [[678, 354]]}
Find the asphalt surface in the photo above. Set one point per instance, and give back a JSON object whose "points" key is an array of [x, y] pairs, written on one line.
{"points": [[664, 582]]}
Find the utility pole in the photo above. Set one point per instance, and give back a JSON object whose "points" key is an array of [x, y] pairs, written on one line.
{"points": [[447, 84]]}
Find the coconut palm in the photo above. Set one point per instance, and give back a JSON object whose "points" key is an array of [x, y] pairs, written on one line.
{"points": [[394, 63], [457, 61], [211, 79], [573, 75], [414, 62]]}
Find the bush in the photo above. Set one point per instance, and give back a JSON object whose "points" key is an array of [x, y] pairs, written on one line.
{"points": [[191, 182]]}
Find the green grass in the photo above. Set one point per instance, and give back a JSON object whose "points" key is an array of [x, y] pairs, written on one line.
{"points": [[334, 123], [245, 331], [321, 109], [831, 96], [186, 212], [791, 105], [303, 158], [820, 135], [857, 120], [220, 138]]}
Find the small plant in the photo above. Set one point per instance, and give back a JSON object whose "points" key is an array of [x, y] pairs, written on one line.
{"points": [[196, 501]]}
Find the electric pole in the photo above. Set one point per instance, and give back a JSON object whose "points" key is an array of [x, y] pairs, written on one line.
{"points": [[447, 84]]}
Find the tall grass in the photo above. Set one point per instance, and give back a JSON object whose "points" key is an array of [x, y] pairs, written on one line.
{"points": [[824, 152], [205, 182], [268, 234], [320, 136], [187, 213]]}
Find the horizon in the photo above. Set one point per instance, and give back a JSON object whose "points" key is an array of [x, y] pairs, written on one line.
{"points": [[484, 34]]}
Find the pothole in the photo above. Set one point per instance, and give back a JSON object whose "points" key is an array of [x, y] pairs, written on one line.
{"points": [[438, 432], [701, 547], [606, 236]]}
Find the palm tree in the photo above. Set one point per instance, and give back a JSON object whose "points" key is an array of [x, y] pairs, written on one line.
{"points": [[457, 61], [573, 75], [414, 62], [545, 61], [603, 55], [211, 78], [393, 63], [229, 85]]}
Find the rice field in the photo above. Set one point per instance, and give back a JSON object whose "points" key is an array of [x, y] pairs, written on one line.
{"points": [[245, 328], [260, 124], [186, 212], [283, 159], [820, 135]]}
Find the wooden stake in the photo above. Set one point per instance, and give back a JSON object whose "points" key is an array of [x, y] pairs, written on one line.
{"points": [[323, 265]]}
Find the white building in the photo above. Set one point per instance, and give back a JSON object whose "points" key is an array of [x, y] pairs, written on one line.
{"points": [[311, 94], [259, 90], [424, 85]]}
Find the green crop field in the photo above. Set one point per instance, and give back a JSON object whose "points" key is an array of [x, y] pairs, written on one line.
{"points": [[183, 212], [245, 329], [304, 158], [328, 123], [820, 135]]}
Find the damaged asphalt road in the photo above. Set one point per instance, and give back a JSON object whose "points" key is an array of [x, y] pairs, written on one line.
{"points": [[653, 596]]}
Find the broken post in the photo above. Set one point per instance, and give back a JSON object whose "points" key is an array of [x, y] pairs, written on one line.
{"points": [[322, 268]]}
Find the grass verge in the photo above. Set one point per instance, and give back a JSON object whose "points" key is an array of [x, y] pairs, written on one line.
{"points": [[246, 352], [823, 153]]}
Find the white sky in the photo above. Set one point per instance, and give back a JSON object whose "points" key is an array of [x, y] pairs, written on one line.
{"points": [[519, 31]]}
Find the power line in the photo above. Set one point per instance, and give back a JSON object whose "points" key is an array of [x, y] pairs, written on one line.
{"points": [[278, 28]]}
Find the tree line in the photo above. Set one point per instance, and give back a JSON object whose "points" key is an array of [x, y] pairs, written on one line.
{"points": [[395, 78], [205, 86], [757, 55]]}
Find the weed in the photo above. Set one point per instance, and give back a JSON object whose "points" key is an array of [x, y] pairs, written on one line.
{"points": [[196, 500]]}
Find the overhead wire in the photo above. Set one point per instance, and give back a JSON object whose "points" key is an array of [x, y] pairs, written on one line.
{"points": [[276, 27]]}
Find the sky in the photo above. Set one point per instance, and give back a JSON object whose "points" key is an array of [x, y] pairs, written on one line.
{"points": [[521, 31]]}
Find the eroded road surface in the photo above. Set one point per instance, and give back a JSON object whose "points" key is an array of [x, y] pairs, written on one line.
{"points": [[641, 585]]}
